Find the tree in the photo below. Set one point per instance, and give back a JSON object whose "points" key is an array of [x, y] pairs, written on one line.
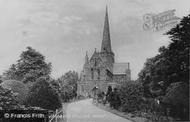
{"points": [[172, 63], [178, 51], [167, 74], [145, 76], [42, 95], [68, 84], [29, 67], [11, 73], [56, 86]]}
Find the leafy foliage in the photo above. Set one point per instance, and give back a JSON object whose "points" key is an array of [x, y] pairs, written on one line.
{"points": [[167, 74], [171, 64], [29, 67], [68, 84], [8, 100], [177, 97], [131, 95], [56, 86], [32, 70], [18, 88], [42, 95], [178, 51], [114, 99]]}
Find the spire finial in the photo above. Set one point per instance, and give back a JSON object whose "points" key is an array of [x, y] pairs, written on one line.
{"points": [[86, 57]]}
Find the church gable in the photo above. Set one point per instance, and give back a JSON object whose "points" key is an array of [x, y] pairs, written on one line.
{"points": [[96, 61], [94, 56]]}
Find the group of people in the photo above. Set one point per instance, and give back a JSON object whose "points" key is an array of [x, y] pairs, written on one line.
{"points": [[111, 97]]}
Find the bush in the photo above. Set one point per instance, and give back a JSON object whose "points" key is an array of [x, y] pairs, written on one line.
{"points": [[18, 88], [177, 98], [7, 100], [131, 95], [42, 95]]}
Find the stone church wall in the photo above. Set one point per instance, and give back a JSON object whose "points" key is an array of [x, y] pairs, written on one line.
{"points": [[120, 79]]}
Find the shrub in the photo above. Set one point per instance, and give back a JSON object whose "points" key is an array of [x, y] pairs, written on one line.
{"points": [[177, 98], [131, 95], [18, 88], [42, 95], [7, 100]]}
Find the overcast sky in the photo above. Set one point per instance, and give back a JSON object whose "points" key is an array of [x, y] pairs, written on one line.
{"points": [[63, 30]]}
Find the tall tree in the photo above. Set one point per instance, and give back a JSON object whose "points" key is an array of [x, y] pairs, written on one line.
{"points": [[172, 63], [29, 67], [68, 84], [178, 51], [42, 95]]}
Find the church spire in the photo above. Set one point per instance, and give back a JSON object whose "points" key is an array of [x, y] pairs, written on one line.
{"points": [[106, 41], [86, 58]]}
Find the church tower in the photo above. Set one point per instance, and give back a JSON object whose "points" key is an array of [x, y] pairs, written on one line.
{"points": [[106, 50]]}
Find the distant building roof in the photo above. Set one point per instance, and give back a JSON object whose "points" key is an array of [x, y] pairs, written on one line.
{"points": [[120, 68]]}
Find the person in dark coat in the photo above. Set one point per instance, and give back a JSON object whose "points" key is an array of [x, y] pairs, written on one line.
{"points": [[116, 99], [108, 94]]}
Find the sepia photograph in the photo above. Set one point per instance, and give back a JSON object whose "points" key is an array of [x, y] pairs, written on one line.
{"points": [[94, 60]]}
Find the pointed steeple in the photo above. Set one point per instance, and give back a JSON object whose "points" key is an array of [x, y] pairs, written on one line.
{"points": [[86, 58], [106, 41]]}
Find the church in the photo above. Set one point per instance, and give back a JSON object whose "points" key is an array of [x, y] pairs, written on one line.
{"points": [[100, 70]]}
